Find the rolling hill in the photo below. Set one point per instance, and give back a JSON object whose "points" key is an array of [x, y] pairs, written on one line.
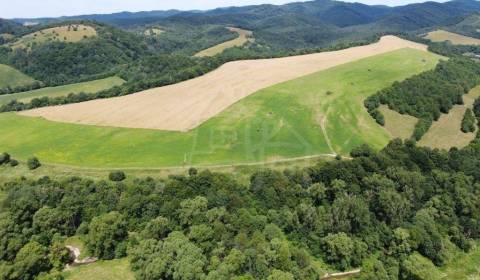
{"points": [[271, 124], [278, 159], [10, 77], [52, 92], [319, 23]]}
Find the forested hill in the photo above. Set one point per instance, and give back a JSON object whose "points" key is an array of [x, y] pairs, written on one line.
{"points": [[10, 27], [300, 25]]}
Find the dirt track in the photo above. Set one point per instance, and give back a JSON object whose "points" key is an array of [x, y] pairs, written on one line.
{"points": [[183, 106]]}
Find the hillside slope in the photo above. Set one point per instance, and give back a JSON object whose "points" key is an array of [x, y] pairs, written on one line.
{"points": [[186, 105], [287, 120]]}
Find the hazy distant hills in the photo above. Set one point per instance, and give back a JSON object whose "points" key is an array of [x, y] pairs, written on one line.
{"points": [[321, 12], [299, 25]]}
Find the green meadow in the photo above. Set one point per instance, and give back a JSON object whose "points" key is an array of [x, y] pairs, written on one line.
{"points": [[118, 269], [87, 87], [322, 113], [11, 77]]}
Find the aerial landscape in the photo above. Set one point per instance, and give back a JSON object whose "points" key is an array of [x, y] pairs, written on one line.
{"points": [[265, 140]]}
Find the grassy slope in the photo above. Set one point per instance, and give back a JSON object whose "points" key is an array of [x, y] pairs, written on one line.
{"points": [[398, 125], [87, 87], [278, 122], [463, 266], [446, 132], [60, 33], [243, 37], [105, 270], [10, 77], [441, 36]]}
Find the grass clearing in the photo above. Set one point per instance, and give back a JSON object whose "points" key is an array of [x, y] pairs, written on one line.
{"points": [[445, 133], [7, 36], [283, 121], [398, 125], [87, 87], [463, 266], [454, 38], [105, 270], [244, 36], [11, 77], [68, 33], [154, 31]]}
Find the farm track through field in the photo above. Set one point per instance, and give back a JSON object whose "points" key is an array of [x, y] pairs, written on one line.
{"points": [[186, 166], [186, 105]]}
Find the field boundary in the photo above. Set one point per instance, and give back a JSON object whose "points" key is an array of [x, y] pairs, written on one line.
{"points": [[186, 105], [187, 166]]}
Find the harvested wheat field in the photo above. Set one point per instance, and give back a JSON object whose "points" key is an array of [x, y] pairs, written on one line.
{"points": [[183, 106], [454, 38]]}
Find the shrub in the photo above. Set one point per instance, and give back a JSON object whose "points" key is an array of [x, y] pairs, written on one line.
{"points": [[33, 163], [4, 158], [117, 176], [192, 171], [13, 162], [468, 122]]}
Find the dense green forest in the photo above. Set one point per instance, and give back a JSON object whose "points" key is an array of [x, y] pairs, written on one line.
{"points": [[57, 63], [187, 39], [376, 211], [428, 94]]}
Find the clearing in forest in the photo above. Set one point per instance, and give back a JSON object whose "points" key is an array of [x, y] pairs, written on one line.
{"points": [[186, 105], [105, 270], [244, 36], [454, 38], [87, 87], [398, 125], [68, 33], [153, 31], [318, 114], [446, 133], [11, 77]]}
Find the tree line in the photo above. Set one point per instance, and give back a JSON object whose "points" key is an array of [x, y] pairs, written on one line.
{"points": [[428, 94], [388, 212], [156, 70]]}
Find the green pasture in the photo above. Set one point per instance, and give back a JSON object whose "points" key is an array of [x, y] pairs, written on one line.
{"points": [[87, 87], [11, 77], [293, 119], [106, 270]]}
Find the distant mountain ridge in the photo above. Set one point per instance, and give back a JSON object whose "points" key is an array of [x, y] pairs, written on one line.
{"points": [[337, 13]]}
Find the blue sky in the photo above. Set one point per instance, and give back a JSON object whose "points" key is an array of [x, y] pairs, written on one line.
{"points": [[44, 8]]}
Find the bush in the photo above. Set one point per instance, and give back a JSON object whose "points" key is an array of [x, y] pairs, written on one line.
{"points": [[13, 162], [117, 176], [33, 163], [422, 126], [192, 171], [468, 122], [4, 158]]}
